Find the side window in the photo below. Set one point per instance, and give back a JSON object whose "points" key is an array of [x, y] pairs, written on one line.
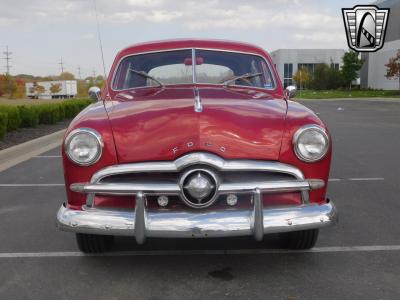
{"points": [[269, 82]]}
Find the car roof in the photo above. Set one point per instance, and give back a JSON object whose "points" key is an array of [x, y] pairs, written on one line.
{"points": [[191, 43]]}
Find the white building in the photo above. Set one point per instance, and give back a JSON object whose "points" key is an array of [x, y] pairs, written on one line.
{"points": [[374, 70], [288, 61]]}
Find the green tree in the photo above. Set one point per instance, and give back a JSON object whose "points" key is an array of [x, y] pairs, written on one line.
{"points": [[302, 78], [83, 88], [334, 79], [8, 85], [393, 67], [66, 76], [351, 65], [321, 77]]}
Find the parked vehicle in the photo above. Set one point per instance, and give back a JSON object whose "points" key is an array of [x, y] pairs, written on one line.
{"points": [[195, 139], [60, 89]]}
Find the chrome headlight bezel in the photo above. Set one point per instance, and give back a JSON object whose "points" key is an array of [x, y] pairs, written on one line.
{"points": [[302, 130], [85, 131]]}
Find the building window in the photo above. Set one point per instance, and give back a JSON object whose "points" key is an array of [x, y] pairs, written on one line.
{"points": [[335, 66], [309, 67], [287, 75]]}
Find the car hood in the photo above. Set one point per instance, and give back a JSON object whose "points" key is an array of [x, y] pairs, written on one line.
{"points": [[161, 124]]}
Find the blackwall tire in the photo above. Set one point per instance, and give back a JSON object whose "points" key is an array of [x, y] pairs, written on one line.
{"points": [[300, 240], [93, 243]]}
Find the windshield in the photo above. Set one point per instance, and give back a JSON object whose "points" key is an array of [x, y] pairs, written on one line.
{"points": [[176, 67]]}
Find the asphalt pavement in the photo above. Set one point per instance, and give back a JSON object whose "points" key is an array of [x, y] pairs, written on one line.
{"points": [[358, 258]]}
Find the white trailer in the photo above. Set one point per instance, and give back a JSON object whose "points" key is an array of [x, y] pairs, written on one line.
{"points": [[59, 89]]}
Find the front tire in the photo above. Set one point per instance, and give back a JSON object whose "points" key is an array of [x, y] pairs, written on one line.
{"points": [[94, 243], [300, 240]]}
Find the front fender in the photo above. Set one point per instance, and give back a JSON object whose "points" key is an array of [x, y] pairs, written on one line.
{"points": [[298, 116], [95, 117]]}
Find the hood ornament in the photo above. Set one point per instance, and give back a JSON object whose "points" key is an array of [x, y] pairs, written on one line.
{"points": [[197, 101]]}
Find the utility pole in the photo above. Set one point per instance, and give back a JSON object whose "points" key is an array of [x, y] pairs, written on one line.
{"points": [[7, 58], [61, 63], [79, 72]]}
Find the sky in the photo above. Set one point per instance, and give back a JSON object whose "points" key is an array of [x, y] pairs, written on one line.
{"points": [[41, 32]]}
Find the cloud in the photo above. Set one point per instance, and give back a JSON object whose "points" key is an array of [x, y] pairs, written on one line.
{"points": [[160, 16], [195, 15], [271, 24], [87, 36]]}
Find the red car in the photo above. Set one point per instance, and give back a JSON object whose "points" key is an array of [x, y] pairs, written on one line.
{"points": [[195, 139]]}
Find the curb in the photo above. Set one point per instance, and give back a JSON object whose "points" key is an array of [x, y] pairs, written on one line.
{"points": [[16, 154]]}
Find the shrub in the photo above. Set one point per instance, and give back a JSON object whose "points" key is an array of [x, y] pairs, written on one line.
{"points": [[61, 111], [48, 113], [3, 124], [29, 116], [14, 119], [71, 109]]}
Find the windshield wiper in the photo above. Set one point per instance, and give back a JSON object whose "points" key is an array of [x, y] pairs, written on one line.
{"points": [[144, 74], [244, 76]]}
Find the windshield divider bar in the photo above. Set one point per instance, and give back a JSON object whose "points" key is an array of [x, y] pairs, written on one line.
{"points": [[194, 66]]}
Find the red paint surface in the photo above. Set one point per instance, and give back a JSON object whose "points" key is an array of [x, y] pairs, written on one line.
{"points": [[235, 123]]}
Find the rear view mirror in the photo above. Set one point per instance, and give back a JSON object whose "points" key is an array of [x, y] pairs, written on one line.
{"points": [[290, 91], [188, 61], [94, 93]]}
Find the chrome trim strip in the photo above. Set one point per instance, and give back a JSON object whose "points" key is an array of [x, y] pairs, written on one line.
{"points": [[266, 186], [155, 188], [168, 223], [198, 107], [198, 158], [175, 189], [195, 81]]}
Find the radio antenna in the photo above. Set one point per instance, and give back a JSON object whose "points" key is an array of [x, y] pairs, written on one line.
{"points": [[99, 36]]}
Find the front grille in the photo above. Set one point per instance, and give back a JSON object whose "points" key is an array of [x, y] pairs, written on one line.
{"points": [[164, 178]]}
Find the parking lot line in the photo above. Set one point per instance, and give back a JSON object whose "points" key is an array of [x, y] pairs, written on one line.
{"points": [[201, 252], [366, 179], [356, 179], [30, 184]]}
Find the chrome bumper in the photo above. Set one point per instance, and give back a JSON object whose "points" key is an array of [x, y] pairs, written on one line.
{"points": [[165, 223], [206, 222]]}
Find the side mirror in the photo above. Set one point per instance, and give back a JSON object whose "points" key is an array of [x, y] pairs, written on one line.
{"points": [[94, 93], [290, 91]]}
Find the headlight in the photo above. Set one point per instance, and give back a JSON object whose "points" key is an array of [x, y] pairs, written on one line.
{"points": [[84, 146], [311, 143]]}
